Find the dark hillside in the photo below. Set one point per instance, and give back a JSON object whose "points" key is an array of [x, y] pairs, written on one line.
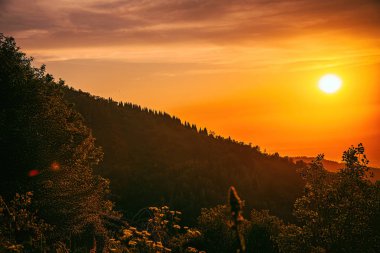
{"points": [[152, 158]]}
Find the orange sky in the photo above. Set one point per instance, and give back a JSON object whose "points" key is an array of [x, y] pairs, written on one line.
{"points": [[245, 69]]}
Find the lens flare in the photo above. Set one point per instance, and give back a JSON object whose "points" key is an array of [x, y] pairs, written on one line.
{"points": [[33, 173], [55, 166]]}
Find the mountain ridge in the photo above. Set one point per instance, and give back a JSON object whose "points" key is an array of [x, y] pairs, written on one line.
{"points": [[153, 158]]}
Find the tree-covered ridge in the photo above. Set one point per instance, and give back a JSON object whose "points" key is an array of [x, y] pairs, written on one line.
{"points": [[144, 148]]}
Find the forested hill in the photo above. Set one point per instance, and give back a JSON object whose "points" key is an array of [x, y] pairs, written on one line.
{"points": [[152, 158]]}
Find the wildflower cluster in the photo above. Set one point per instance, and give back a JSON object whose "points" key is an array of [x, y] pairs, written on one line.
{"points": [[141, 241], [161, 232], [163, 223]]}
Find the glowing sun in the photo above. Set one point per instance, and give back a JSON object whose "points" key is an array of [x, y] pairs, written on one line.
{"points": [[330, 83]]}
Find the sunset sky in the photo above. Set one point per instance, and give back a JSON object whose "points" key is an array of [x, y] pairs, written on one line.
{"points": [[245, 69]]}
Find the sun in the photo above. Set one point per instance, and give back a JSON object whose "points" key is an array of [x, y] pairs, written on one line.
{"points": [[330, 83]]}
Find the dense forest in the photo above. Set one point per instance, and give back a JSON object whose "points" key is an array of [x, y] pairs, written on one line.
{"points": [[82, 173], [143, 148]]}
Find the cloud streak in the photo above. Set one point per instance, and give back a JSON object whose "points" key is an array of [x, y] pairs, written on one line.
{"points": [[71, 23], [218, 32]]}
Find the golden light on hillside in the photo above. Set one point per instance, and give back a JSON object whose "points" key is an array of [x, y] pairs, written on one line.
{"points": [[330, 83]]}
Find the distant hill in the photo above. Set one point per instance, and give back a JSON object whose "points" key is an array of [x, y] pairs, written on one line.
{"points": [[153, 158], [334, 166]]}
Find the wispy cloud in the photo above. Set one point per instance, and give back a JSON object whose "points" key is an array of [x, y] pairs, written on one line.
{"points": [[163, 21], [217, 31]]}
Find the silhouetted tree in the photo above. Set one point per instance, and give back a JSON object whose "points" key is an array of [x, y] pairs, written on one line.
{"points": [[47, 149], [340, 212]]}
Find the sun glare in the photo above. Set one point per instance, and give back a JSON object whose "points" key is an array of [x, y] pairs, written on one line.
{"points": [[330, 83]]}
